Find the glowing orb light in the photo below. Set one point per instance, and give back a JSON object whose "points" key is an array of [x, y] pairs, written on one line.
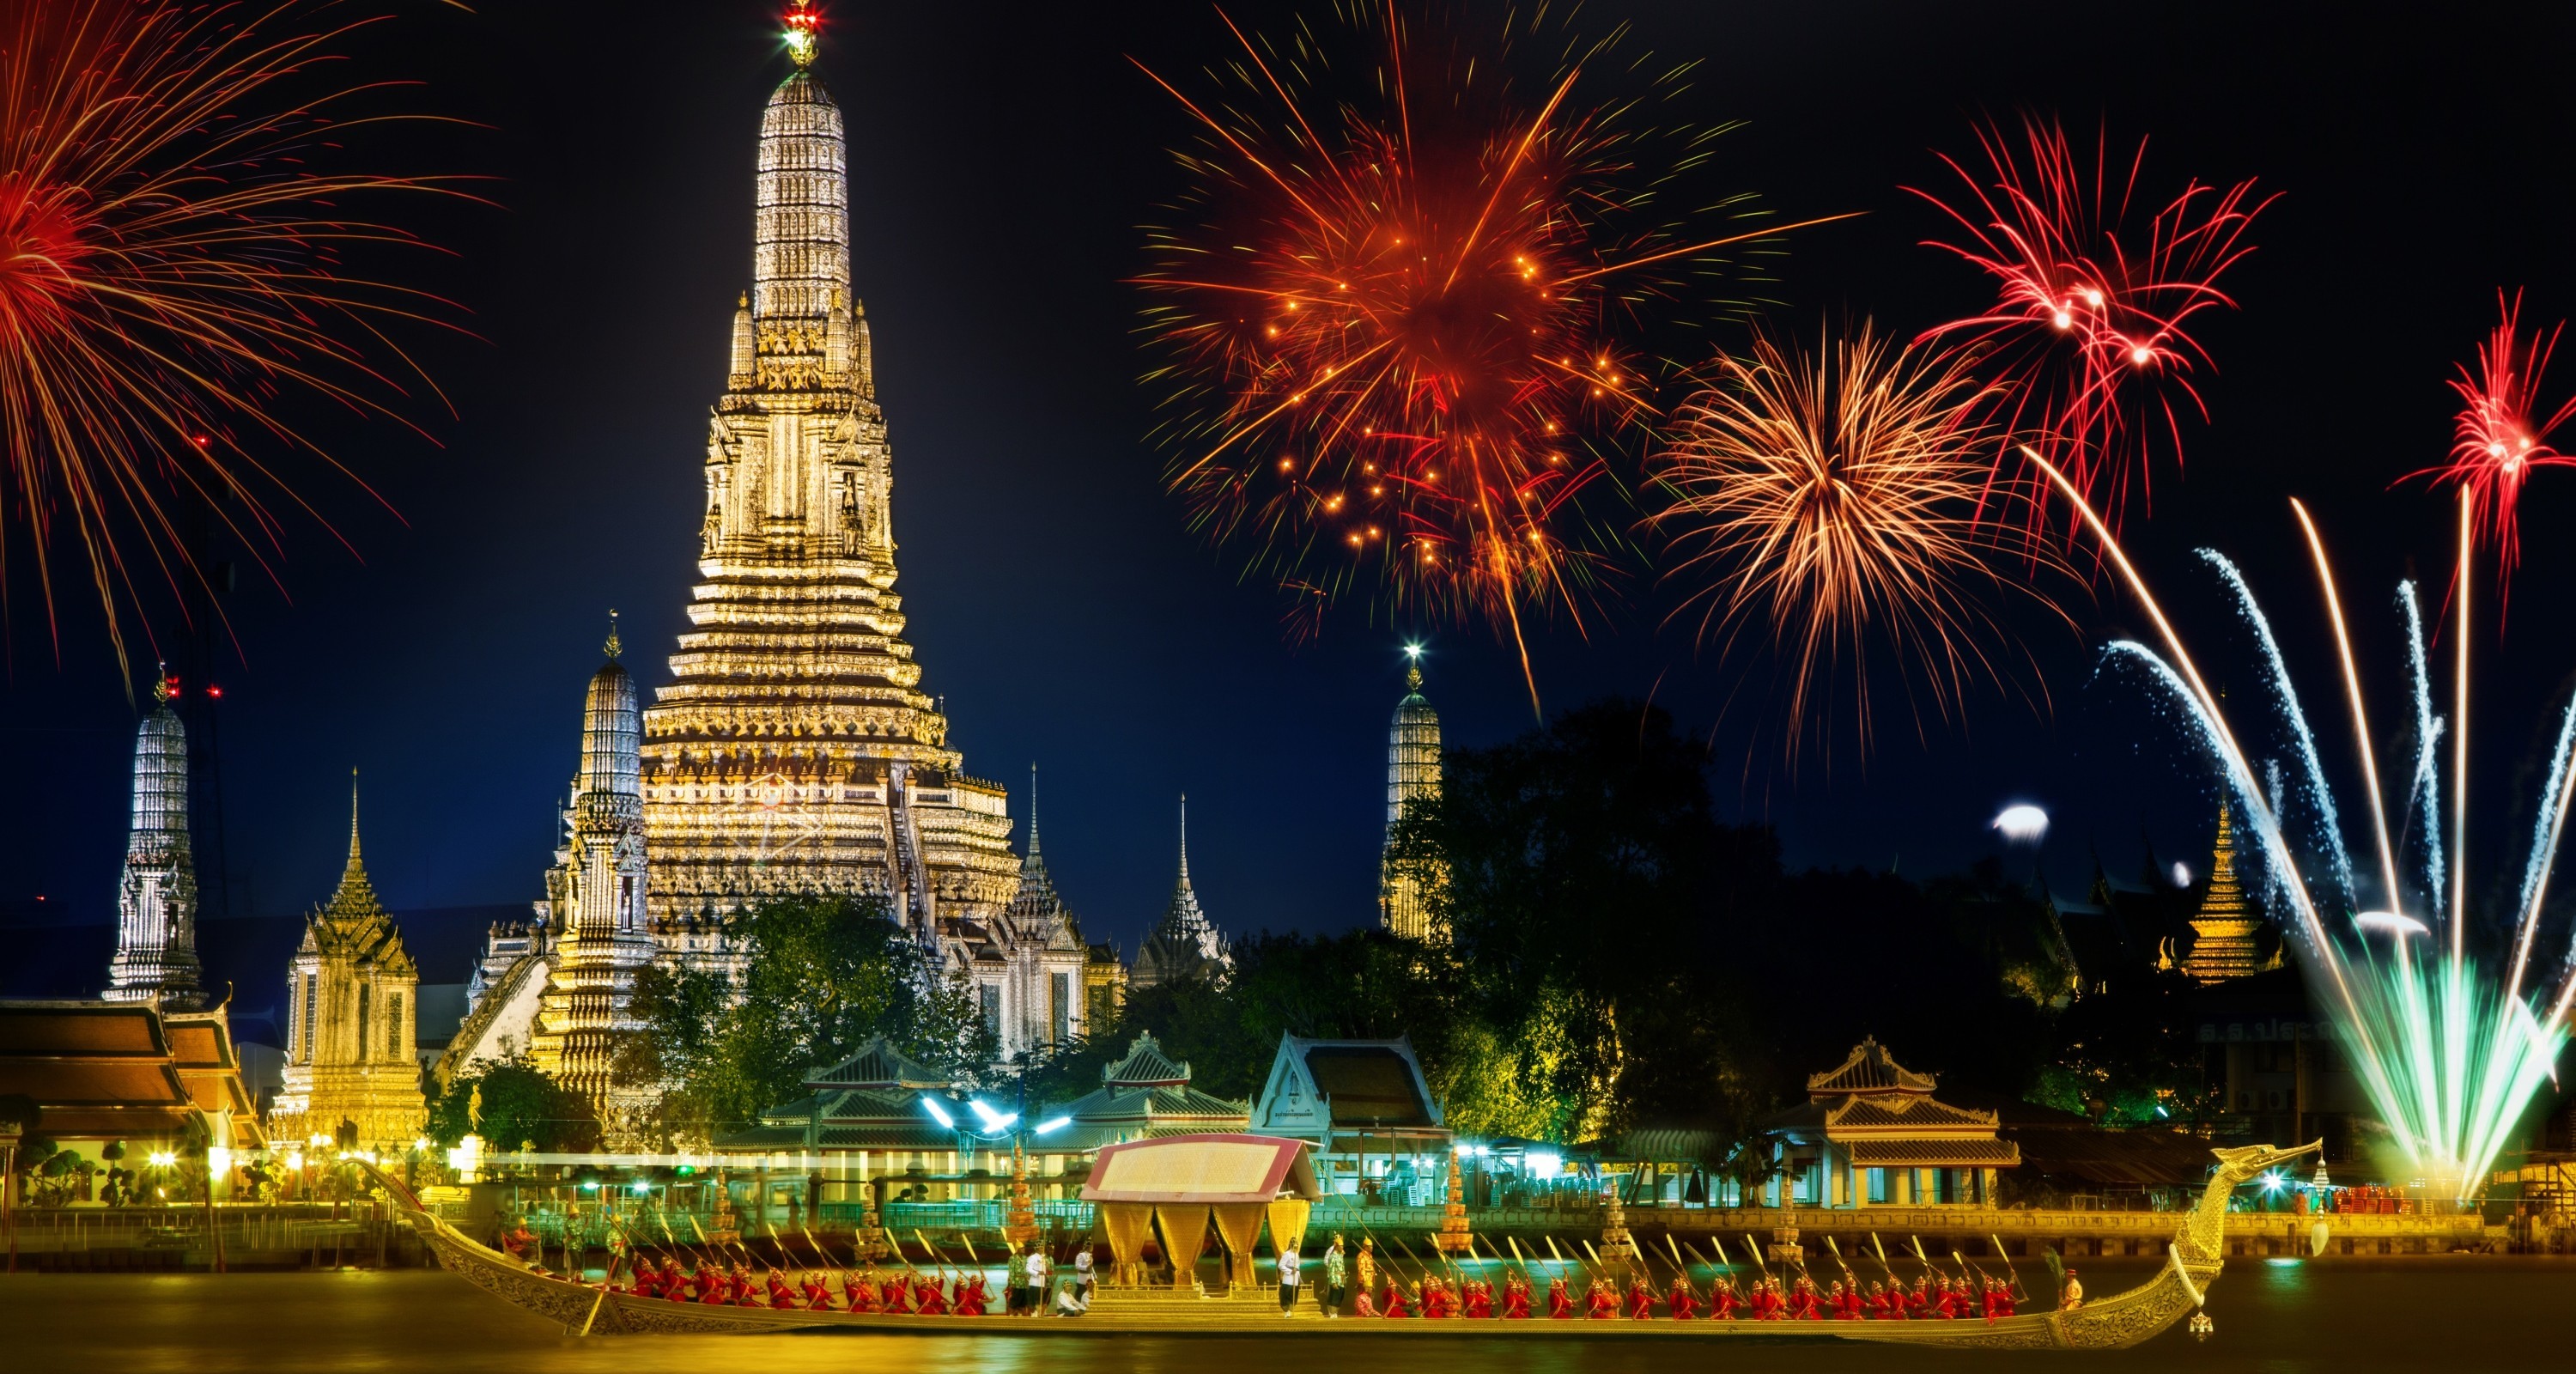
{"points": [[2022, 824]]}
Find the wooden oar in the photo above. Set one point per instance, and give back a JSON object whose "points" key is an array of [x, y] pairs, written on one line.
{"points": [[1755, 1247], [1553, 1252], [2015, 1274], [1842, 1264]]}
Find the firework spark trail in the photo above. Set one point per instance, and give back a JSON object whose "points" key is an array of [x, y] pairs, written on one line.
{"points": [[2499, 438], [2320, 796], [2448, 1060], [1400, 351], [170, 267], [1833, 495], [2091, 330], [2426, 789]]}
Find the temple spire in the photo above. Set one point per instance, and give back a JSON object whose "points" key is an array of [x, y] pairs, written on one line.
{"points": [[803, 24], [354, 866], [614, 646], [1185, 839], [1033, 810]]}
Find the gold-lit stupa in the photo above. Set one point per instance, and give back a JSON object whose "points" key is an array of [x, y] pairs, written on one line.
{"points": [[794, 750]]}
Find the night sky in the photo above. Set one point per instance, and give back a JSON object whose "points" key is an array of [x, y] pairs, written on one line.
{"points": [[1000, 161]]}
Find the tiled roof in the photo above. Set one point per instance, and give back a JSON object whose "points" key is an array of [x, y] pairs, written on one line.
{"points": [[1368, 1084], [1934, 1154], [1145, 1065], [1869, 1069], [1914, 1113], [878, 1064]]}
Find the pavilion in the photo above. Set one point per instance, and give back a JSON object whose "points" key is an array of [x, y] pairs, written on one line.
{"points": [[1871, 1133]]}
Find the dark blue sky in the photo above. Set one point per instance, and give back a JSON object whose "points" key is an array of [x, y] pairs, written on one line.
{"points": [[1000, 161]]}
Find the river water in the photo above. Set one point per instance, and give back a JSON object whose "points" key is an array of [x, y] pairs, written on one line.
{"points": [[2458, 1315]]}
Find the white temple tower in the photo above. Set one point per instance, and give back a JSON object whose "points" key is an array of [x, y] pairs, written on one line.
{"points": [[595, 897], [156, 902]]}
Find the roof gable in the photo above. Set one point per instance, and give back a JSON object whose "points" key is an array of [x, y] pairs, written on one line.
{"points": [[878, 1064], [1145, 1065], [1317, 1086], [1869, 1069]]}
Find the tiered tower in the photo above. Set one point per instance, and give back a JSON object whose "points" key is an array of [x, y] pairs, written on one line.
{"points": [[1045, 995], [1185, 944], [352, 1001], [794, 750], [595, 895], [156, 934], [1412, 772], [2222, 945]]}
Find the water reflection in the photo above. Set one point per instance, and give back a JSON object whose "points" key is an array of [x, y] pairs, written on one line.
{"points": [[2465, 1315]]}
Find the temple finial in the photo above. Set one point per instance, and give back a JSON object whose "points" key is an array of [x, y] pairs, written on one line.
{"points": [[1413, 667], [1185, 837], [353, 818], [161, 690], [614, 647], [802, 25]]}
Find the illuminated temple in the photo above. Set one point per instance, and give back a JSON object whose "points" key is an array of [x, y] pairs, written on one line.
{"points": [[794, 749]]}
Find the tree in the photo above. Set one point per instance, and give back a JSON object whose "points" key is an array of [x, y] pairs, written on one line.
{"points": [[513, 1103], [1595, 911], [822, 975]]}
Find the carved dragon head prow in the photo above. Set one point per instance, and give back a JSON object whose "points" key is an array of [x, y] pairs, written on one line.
{"points": [[2237, 1163]]}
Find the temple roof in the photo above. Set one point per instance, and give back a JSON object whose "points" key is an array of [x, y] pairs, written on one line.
{"points": [[878, 1064], [1868, 1069], [122, 1070], [355, 923], [1145, 1065]]}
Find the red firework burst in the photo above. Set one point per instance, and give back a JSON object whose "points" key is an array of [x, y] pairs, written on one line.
{"points": [[2089, 326], [2498, 441], [1397, 346], [170, 242]]}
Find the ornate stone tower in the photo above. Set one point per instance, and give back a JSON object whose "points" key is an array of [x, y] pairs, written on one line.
{"points": [[794, 750], [595, 896], [1185, 944], [1045, 996], [156, 903], [1412, 771], [352, 1000], [2222, 945]]}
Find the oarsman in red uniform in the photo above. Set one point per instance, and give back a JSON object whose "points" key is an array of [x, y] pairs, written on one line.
{"points": [[712, 1285], [1560, 1304], [1395, 1303], [1880, 1309], [1641, 1298], [746, 1291], [1918, 1303], [930, 1299], [1600, 1301], [896, 1291], [1480, 1300], [781, 1297], [2002, 1306], [1724, 1304], [1438, 1302], [859, 1292], [1516, 1299], [971, 1296], [1362, 1305], [818, 1293], [1682, 1302], [1805, 1304]]}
